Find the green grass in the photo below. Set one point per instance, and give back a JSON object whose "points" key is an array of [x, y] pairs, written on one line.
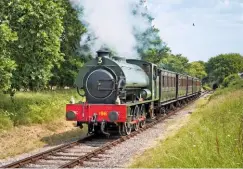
{"points": [[212, 138], [34, 108]]}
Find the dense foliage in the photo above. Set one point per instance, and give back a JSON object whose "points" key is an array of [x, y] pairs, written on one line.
{"points": [[65, 73], [38, 25], [40, 46], [7, 65], [223, 65], [230, 79], [177, 63]]}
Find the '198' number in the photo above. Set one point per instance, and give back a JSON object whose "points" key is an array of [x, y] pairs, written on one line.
{"points": [[102, 113]]}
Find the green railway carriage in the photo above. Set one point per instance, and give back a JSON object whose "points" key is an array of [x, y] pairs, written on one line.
{"points": [[182, 85], [167, 85], [196, 85], [189, 86]]}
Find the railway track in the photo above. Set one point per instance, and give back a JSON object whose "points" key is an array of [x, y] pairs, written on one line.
{"points": [[87, 149]]}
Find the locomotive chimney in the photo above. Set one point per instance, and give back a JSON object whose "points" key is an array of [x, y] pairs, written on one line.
{"points": [[103, 53]]}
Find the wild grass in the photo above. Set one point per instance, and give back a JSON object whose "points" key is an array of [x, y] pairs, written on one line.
{"points": [[213, 137], [34, 120], [33, 107]]}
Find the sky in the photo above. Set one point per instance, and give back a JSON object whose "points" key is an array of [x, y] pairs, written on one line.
{"points": [[218, 26]]}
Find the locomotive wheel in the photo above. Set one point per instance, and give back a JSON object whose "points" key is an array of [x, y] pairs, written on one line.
{"points": [[121, 129], [136, 117], [142, 123], [143, 114], [128, 128], [136, 126], [125, 129]]}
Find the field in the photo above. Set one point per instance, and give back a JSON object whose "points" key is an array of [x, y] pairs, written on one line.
{"points": [[212, 138]]}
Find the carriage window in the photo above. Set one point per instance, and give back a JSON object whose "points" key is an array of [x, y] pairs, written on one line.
{"points": [[168, 81], [172, 84], [171, 79], [165, 81]]}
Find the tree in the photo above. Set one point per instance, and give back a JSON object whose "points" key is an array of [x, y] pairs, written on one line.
{"points": [[39, 28], [65, 74], [197, 69], [7, 65], [176, 63], [223, 65]]}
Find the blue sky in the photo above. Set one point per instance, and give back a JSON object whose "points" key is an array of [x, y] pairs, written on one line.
{"points": [[218, 26]]}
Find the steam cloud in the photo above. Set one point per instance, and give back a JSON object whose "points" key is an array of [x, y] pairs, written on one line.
{"points": [[112, 22]]}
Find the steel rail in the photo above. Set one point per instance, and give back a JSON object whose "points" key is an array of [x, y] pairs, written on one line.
{"points": [[31, 159]]}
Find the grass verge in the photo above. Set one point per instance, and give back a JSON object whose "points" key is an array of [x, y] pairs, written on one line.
{"points": [[24, 139], [33, 108], [212, 138], [35, 120]]}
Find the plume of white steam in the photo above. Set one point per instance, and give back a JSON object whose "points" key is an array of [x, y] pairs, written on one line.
{"points": [[112, 23]]}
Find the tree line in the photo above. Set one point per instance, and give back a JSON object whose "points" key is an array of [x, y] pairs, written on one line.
{"points": [[40, 47]]}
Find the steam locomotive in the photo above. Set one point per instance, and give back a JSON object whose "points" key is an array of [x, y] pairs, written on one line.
{"points": [[122, 94]]}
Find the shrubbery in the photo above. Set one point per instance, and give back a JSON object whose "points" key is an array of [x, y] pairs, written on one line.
{"points": [[230, 79], [33, 108], [206, 87]]}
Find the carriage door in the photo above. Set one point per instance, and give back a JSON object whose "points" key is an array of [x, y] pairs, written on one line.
{"points": [[155, 82]]}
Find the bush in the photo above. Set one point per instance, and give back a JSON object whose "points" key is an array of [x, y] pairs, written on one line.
{"points": [[233, 85], [206, 87], [5, 121], [34, 108], [230, 79], [236, 84]]}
